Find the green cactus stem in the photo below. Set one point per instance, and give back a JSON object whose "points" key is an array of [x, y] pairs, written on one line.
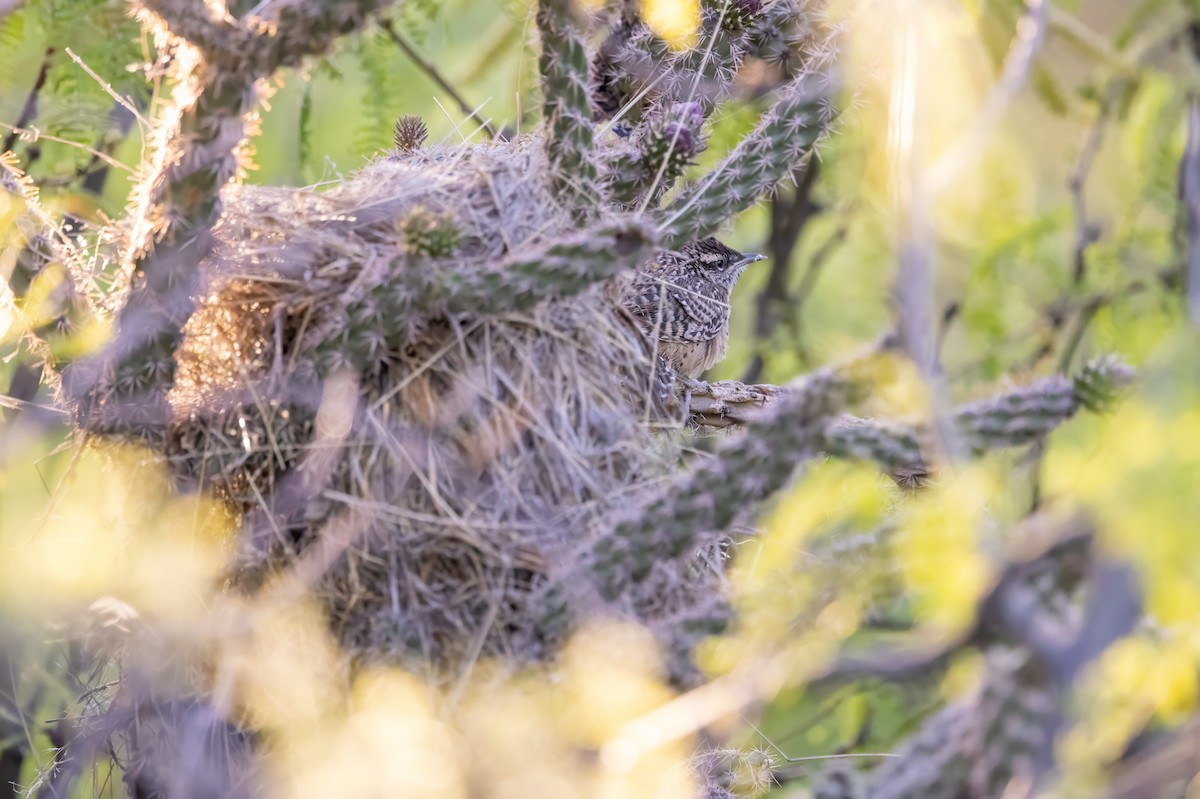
{"points": [[1011, 419], [429, 235], [708, 497], [566, 106], [785, 135]]}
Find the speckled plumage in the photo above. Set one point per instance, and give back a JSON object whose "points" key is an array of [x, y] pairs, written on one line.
{"points": [[682, 300]]}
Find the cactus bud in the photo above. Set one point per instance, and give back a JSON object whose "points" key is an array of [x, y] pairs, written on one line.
{"points": [[674, 142], [742, 13], [676, 137], [410, 133], [664, 147], [1101, 381], [429, 235]]}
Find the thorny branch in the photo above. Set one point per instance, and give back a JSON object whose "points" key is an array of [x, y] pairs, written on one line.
{"points": [[215, 99]]}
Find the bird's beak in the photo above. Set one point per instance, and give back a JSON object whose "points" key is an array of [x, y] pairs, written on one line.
{"points": [[752, 257]]}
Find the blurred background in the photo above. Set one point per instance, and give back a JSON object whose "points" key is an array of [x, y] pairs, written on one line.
{"points": [[1064, 237]]}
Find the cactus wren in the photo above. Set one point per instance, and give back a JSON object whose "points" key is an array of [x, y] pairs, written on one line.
{"points": [[682, 300]]}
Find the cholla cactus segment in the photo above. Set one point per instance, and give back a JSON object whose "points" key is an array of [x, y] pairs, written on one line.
{"points": [[626, 175], [776, 35], [429, 235], [1101, 381], [1012, 419], [558, 269], [707, 498], [566, 106], [410, 133], [976, 746], [134, 375], [258, 45], [633, 58], [675, 138], [667, 144], [1023, 415], [672, 145], [784, 136], [1018, 417], [893, 446], [630, 59], [707, 71], [741, 14]]}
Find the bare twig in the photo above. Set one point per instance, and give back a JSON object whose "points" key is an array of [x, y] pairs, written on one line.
{"points": [[1073, 30], [789, 216], [120, 99], [430, 70], [33, 135], [1086, 233], [726, 403]]}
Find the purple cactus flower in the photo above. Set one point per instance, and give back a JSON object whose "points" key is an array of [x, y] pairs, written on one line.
{"points": [[690, 114], [684, 137]]}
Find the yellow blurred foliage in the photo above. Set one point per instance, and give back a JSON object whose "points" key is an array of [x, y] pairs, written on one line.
{"points": [[626, 655], [1139, 474], [387, 743], [1134, 680], [113, 537], [528, 734], [277, 662], [111, 527], [937, 548], [677, 22], [774, 598]]}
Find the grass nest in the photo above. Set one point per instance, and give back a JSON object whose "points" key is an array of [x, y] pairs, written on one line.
{"points": [[432, 471]]}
